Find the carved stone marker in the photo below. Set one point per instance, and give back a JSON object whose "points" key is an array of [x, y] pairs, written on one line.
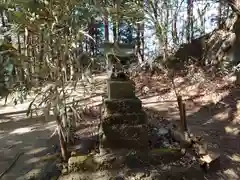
{"points": [[124, 121]]}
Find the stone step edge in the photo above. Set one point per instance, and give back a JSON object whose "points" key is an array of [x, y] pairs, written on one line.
{"points": [[144, 126], [140, 113], [133, 98]]}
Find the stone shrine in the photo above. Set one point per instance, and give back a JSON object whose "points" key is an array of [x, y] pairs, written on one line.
{"points": [[124, 123]]}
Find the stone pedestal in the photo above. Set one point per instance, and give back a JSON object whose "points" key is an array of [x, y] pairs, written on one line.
{"points": [[124, 122]]}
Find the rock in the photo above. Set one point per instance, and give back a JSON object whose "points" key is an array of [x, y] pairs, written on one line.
{"points": [[200, 149], [162, 131], [102, 158], [64, 171], [82, 163], [182, 137], [231, 174], [73, 153], [76, 160], [210, 162], [232, 130], [145, 89], [141, 175]]}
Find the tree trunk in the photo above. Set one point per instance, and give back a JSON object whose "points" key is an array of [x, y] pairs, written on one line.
{"points": [[63, 145], [235, 5], [91, 31], [106, 28], [154, 6], [174, 28], [138, 43], [220, 8], [189, 20], [236, 45], [114, 31], [2, 18], [165, 55]]}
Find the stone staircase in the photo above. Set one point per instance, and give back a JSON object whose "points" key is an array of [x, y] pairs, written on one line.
{"points": [[124, 123]]}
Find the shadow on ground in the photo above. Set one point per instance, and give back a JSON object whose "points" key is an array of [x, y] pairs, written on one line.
{"points": [[27, 140]]}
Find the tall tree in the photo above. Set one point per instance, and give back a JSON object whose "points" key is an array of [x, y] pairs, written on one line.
{"points": [[189, 29]]}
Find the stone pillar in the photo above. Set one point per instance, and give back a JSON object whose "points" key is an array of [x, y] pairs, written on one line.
{"points": [[124, 121]]}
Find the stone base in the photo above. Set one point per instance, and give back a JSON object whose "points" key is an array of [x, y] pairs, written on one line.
{"points": [[123, 105], [121, 89], [128, 118], [125, 136], [125, 143]]}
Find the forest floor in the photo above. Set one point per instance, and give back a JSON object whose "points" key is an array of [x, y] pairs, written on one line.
{"points": [[212, 112], [212, 107]]}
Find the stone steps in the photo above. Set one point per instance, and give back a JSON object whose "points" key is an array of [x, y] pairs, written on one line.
{"points": [[126, 143], [124, 123], [126, 136], [123, 105], [120, 131]]}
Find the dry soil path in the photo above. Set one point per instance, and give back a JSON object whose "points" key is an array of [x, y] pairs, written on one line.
{"points": [[25, 140]]}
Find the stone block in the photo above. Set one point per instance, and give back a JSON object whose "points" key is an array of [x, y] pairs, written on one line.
{"points": [[123, 105], [120, 89], [127, 119], [127, 143], [126, 133], [210, 162]]}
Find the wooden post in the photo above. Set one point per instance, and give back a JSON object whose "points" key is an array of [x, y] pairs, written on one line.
{"points": [[184, 120], [182, 112]]}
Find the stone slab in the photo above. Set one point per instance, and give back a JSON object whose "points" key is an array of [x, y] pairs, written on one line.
{"points": [[131, 132], [126, 143], [120, 89], [128, 119], [123, 105]]}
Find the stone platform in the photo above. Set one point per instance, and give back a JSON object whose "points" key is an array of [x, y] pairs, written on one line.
{"points": [[124, 123]]}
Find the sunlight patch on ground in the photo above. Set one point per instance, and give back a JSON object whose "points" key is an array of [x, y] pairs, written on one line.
{"points": [[32, 160], [37, 150], [232, 130], [22, 130], [231, 174], [12, 117], [235, 158], [152, 102], [13, 142], [33, 173], [27, 148], [5, 120], [222, 115], [49, 126], [238, 108]]}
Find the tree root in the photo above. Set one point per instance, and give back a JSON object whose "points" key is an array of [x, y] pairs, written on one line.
{"points": [[12, 164]]}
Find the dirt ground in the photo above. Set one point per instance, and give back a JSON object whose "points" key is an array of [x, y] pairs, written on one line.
{"points": [[25, 139], [212, 112]]}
